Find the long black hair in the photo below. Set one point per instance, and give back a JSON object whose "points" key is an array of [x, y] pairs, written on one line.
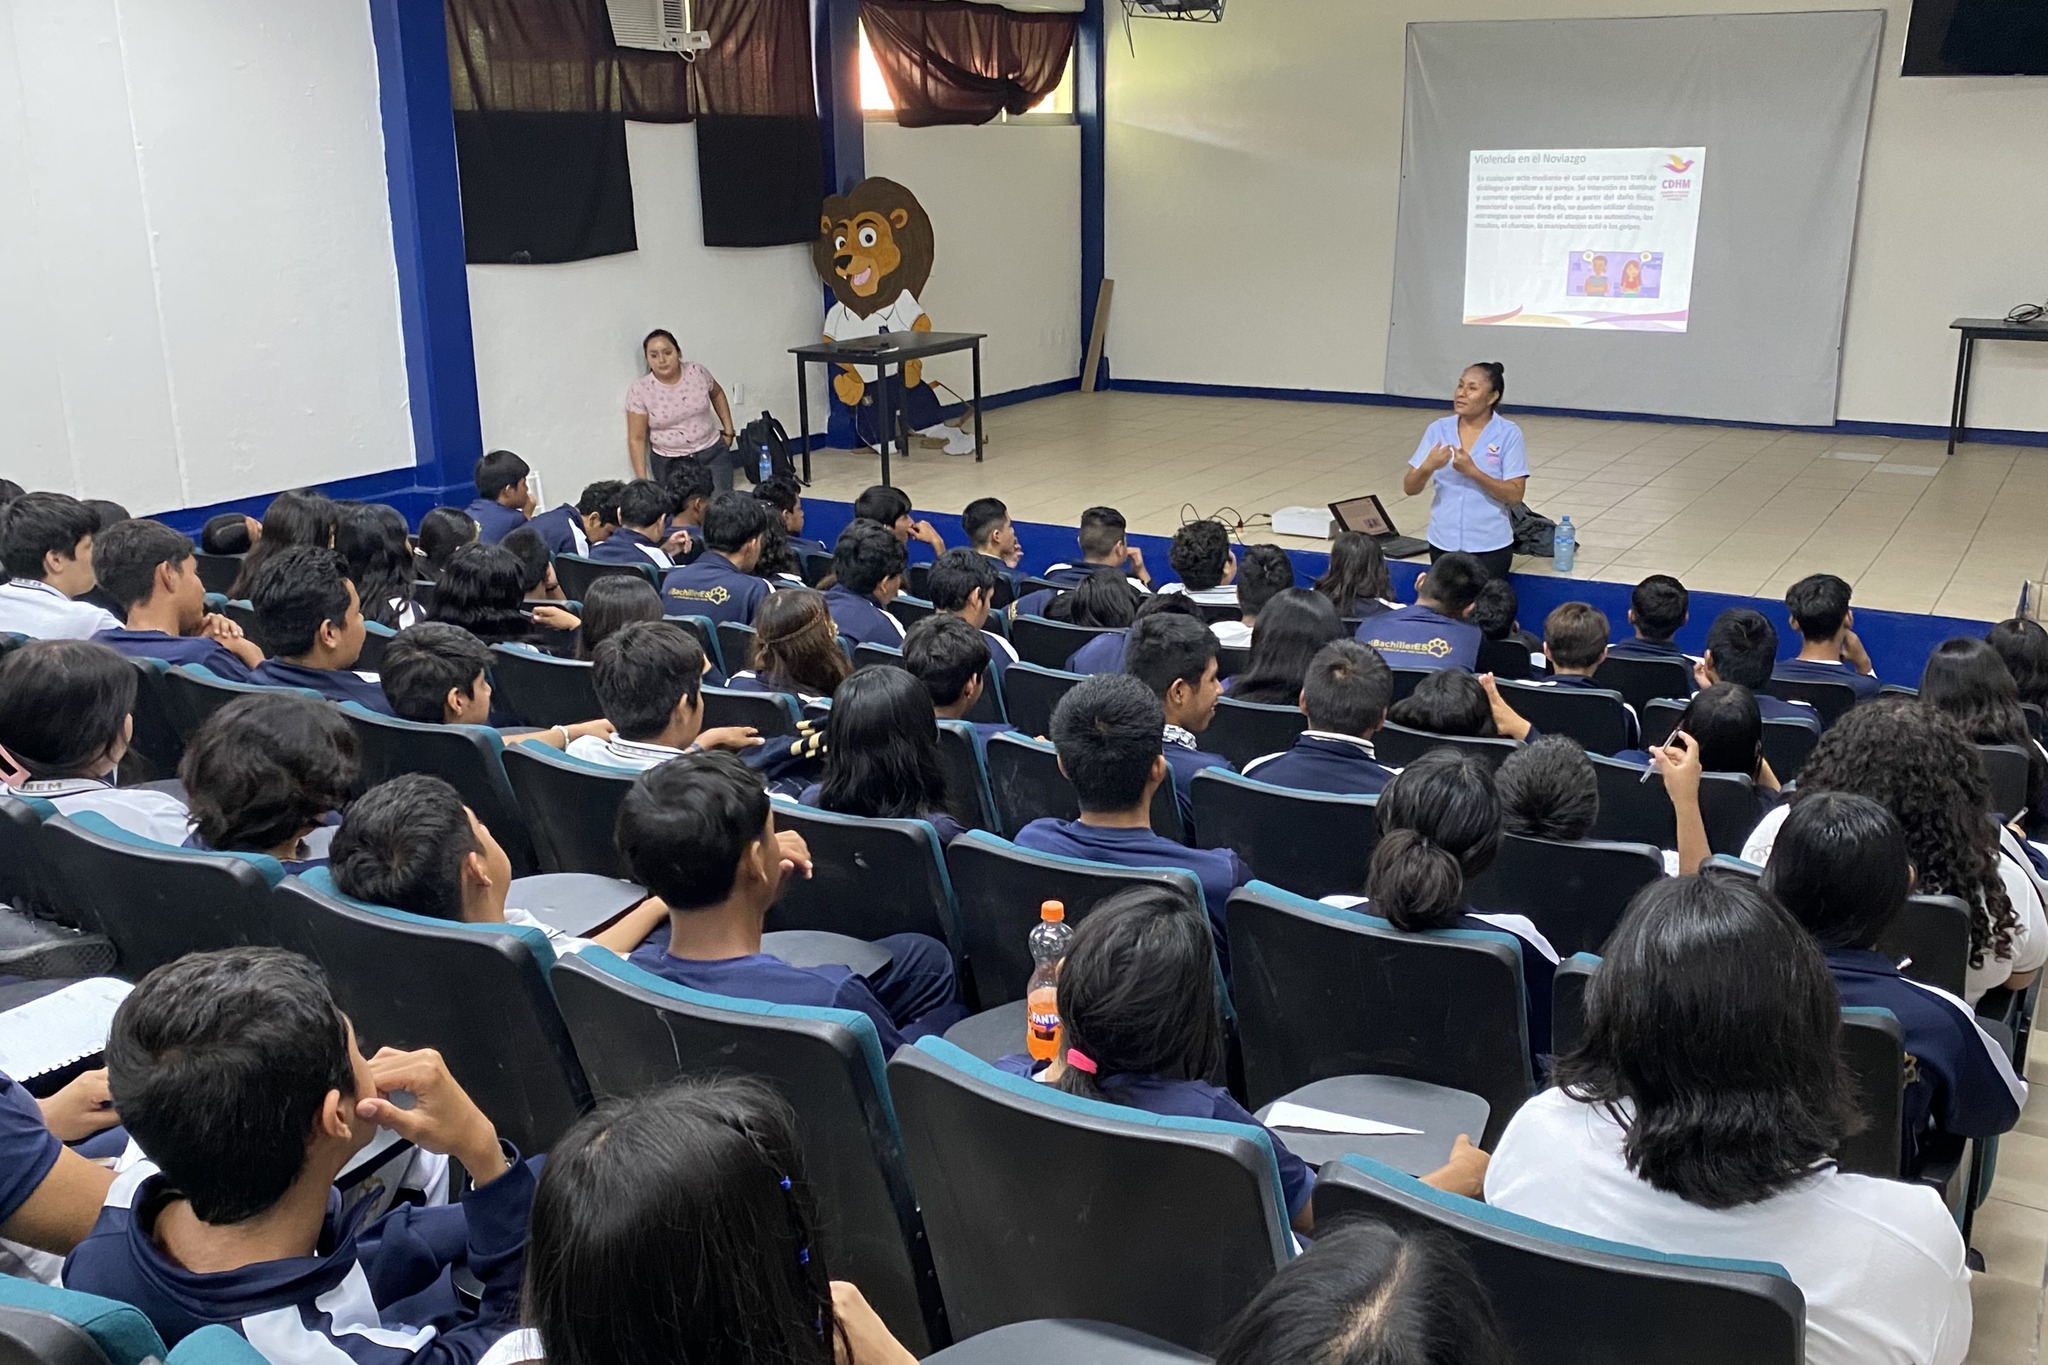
{"points": [[1728, 726], [265, 768], [371, 537], [1138, 993], [1290, 629], [1439, 826], [1103, 598], [482, 589], [2023, 644], [300, 517], [1839, 866], [443, 531], [1714, 1017], [64, 707], [1357, 573], [882, 747], [678, 1225], [1968, 681], [796, 648], [612, 603], [1449, 701]]}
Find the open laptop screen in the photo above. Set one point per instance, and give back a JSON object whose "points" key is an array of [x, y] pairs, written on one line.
{"points": [[1363, 514]]}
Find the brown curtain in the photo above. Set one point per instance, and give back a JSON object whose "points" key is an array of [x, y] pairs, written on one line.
{"points": [[953, 61], [557, 57]]}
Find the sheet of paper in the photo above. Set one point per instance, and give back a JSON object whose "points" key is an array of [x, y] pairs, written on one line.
{"points": [[60, 1028], [1287, 1115]]}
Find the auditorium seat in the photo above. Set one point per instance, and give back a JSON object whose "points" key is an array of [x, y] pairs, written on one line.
{"points": [[1167, 1226], [46, 1325], [243, 613], [217, 573], [1643, 681], [543, 690], [155, 902], [735, 646], [469, 758], [911, 607], [1323, 992], [1026, 784], [705, 632], [24, 882], [570, 808], [1567, 1299], [1597, 719], [968, 798], [1030, 694], [1049, 644], [1788, 740], [1568, 1000], [1503, 659], [1398, 746], [1406, 680], [814, 565], [1831, 700], [2011, 781], [478, 993], [1636, 810], [771, 713], [869, 878], [1232, 660], [156, 739], [999, 888], [575, 573], [1310, 843], [1242, 730], [194, 693], [1573, 891], [634, 1030], [867, 654], [1064, 1339], [375, 639], [1929, 938]]}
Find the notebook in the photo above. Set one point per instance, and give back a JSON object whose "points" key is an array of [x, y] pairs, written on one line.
{"points": [[65, 1026]]}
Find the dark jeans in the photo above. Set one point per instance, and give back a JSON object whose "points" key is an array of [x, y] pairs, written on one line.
{"points": [[917, 986], [1496, 562], [717, 458]]}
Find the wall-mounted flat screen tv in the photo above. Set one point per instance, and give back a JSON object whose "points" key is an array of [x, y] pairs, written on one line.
{"points": [[1977, 38]]}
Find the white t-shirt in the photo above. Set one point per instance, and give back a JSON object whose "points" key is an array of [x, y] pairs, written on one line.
{"points": [[2022, 888], [143, 812], [1879, 1261], [31, 607], [618, 752], [1231, 634], [557, 940]]}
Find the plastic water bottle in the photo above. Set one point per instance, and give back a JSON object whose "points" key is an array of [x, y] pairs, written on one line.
{"points": [[1049, 940], [767, 465], [1566, 547]]}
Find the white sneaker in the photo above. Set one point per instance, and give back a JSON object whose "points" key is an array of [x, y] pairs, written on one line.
{"points": [[960, 443]]}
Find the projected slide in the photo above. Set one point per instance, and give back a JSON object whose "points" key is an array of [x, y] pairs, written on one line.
{"points": [[1582, 237]]}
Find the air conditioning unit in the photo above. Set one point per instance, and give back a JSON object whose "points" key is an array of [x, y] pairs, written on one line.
{"points": [[1192, 11], [656, 26]]}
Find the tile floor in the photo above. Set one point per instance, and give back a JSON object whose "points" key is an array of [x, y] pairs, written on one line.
{"points": [[1726, 509]]}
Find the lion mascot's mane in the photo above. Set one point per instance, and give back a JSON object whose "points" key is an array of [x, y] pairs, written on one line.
{"points": [[913, 241]]}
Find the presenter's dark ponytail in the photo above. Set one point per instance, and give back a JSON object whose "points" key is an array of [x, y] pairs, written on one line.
{"points": [[1498, 373], [1440, 826]]}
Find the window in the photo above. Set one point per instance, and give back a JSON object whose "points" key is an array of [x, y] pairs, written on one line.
{"points": [[1057, 107]]}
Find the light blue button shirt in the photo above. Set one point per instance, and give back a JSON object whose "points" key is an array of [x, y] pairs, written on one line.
{"points": [[1464, 516]]}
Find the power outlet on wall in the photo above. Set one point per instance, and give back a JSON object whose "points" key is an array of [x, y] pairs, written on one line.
{"points": [[739, 395]]}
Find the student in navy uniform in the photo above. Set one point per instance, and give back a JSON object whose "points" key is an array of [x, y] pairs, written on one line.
{"points": [[796, 649], [1575, 644], [306, 609], [1176, 658], [1727, 729], [1436, 632], [786, 496], [1345, 697], [46, 547], [699, 833], [149, 570], [1294, 624], [241, 1078], [610, 604], [1840, 866], [642, 511], [1742, 647], [1101, 537], [1107, 731], [1505, 649], [443, 531], [1105, 653], [1451, 702], [503, 501], [721, 583], [572, 528], [951, 659], [987, 524], [1440, 826], [882, 753], [1828, 649], [438, 674], [963, 583], [270, 775], [372, 540], [690, 487], [1357, 581], [1200, 553], [1658, 609], [1262, 575], [649, 678], [889, 508], [50, 1195], [868, 564]]}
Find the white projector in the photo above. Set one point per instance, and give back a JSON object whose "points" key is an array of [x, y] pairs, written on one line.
{"points": [[1313, 522]]}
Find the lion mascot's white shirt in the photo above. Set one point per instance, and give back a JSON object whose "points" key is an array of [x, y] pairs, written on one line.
{"points": [[843, 324]]}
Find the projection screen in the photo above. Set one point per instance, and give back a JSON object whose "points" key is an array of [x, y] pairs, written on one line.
{"points": [[1634, 215]]}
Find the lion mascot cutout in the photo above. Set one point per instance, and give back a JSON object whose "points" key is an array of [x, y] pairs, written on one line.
{"points": [[874, 252]]}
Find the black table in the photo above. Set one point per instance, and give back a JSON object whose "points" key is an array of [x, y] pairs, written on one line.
{"points": [[903, 347], [1975, 330]]}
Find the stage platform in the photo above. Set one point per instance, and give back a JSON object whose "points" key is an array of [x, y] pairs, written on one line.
{"points": [[1729, 510]]}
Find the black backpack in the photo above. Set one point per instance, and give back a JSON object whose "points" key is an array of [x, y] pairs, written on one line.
{"points": [[763, 431], [1535, 534]]}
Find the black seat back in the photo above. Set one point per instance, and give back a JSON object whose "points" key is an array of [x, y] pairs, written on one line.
{"points": [[29, 1336], [1597, 719], [1242, 730], [243, 614], [968, 798], [157, 903], [1569, 1300], [1874, 1046], [1568, 1000], [570, 806], [156, 740], [772, 713], [1030, 693], [735, 646], [1642, 681], [1575, 892], [1026, 783], [1635, 809], [576, 573], [1504, 659], [192, 695], [375, 639], [911, 607], [634, 1031], [867, 653], [478, 993], [1930, 937], [1398, 746], [1049, 644], [813, 566], [467, 757], [217, 573], [1787, 739], [1232, 660], [869, 878], [2011, 781], [1000, 888], [1323, 992], [23, 882], [1310, 843], [1831, 699], [1200, 1198], [705, 632], [543, 690], [1406, 680]]}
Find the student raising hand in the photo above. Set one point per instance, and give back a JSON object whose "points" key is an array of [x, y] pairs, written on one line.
{"points": [[1678, 763], [420, 1101]]}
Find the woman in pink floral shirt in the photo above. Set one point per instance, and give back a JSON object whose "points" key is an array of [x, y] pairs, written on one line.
{"points": [[676, 411]]}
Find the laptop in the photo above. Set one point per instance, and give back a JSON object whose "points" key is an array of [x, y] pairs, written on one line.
{"points": [[1368, 516]]}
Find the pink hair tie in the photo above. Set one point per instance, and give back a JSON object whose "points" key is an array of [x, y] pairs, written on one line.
{"points": [[1079, 1061], [12, 773]]}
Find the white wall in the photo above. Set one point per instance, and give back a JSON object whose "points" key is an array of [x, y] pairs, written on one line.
{"points": [[198, 288], [1254, 170]]}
